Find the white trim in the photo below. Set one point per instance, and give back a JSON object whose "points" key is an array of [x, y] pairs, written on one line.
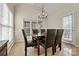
{"points": [[10, 45], [71, 43], [77, 45]]}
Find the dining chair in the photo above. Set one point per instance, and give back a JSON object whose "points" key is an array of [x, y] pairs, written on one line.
{"points": [[42, 30], [58, 39], [49, 40], [30, 43], [42, 35], [35, 32]]}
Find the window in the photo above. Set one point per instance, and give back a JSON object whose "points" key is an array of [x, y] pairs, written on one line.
{"points": [[0, 32], [10, 34], [67, 25], [0, 9], [6, 23], [0, 21], [4, 33], [27, 27], [5, 18], [10, 19]]}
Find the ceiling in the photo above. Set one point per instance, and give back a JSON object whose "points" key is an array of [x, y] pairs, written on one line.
{"points": [[49, 7]]}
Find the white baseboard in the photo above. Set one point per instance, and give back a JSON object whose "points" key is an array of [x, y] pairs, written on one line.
{"points": [[71, 44], [76, 45], [10, 45]]}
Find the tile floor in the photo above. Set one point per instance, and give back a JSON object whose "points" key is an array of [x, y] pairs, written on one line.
{"points": [[67, 50]]}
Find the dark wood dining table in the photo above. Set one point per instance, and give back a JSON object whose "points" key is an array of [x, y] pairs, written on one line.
{"points": [[38, 42]]}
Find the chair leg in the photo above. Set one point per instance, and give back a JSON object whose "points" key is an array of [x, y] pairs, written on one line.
{"points": [[35, 45], [38, 47], [38, 50], [55, 48], [53, 52], [25, 51], [60, 46], [45, 51]]}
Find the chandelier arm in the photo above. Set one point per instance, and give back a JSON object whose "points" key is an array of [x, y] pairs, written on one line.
{"points": [[43, 14]]}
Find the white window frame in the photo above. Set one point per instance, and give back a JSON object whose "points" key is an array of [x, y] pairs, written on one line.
{"points": [[74, 14], [7, 25]]}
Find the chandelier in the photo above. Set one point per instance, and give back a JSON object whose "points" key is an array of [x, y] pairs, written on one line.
{"points": [[43, 14]]}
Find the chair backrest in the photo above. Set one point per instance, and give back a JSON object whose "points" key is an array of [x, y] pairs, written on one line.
{"points": [[59, 36], [42, 30], [50, 38], [35, 31], [25, 36]]}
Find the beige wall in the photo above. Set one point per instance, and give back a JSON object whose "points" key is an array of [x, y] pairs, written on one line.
{"points": [[55, 19], [56, 16], [23, 11], [11, 7]]}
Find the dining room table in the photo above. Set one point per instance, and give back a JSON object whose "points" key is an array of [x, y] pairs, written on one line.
{"points": [[38, 36]]}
